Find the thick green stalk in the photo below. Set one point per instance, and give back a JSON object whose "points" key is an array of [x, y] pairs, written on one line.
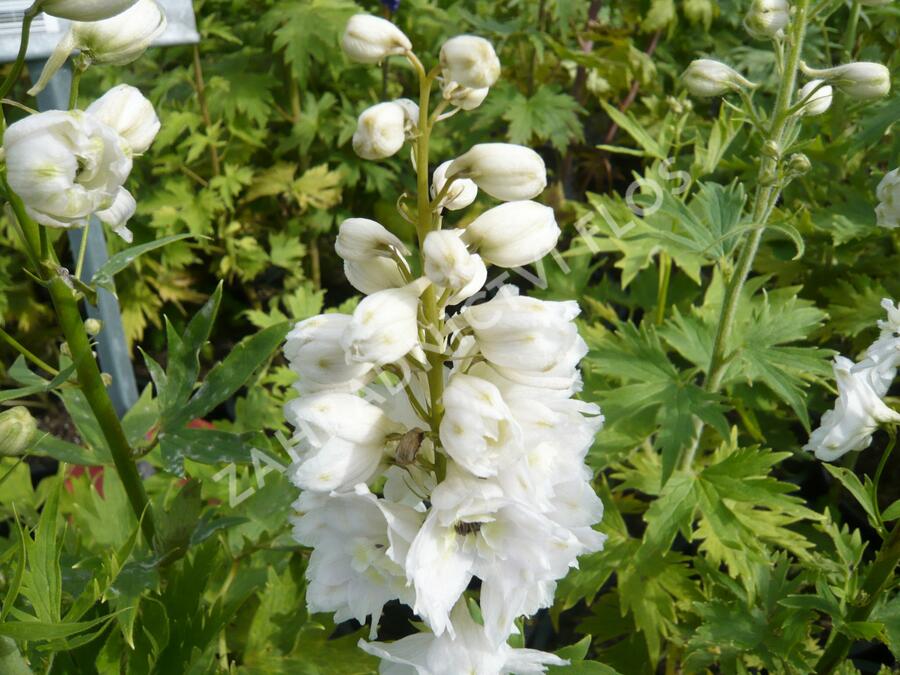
{"points": [[766, 196], [89, 378]]}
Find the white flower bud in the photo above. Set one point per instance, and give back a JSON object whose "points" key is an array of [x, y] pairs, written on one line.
{"points": [[313, 351], [85, 10], [461, 192], [448, 262], [411, 115], [117, 41], [514, 234], [503, 170], [380, 131], [373, 274], [819, 95], [464, 97], [767, 18], [862, 80], [125, 109], [470, 61], [384, 328], [888, 210], [93, 327], [707, 78], [17, 428], [370, 39], [362, 239]]}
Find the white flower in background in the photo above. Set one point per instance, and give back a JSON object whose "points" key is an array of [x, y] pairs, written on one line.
{"points": [[371, 39], [478, 430], [707, 78], [85, 10], [125, 109], [503, 170], [380, 131], [361, 238], [862, 80], [116, 41], [448, 262], [460, 194], [888, 210], [514, 234], [883, 355], [464, 97], [767, 18], [359, 552], [67, 166], [384, 328], [819, 95], [470, 652], [342, 438], [313, 351], [470, 61], [857, 414]]}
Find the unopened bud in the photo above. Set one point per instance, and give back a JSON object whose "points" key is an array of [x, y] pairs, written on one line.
{"points": [[380, 131], [798, 164], [409, 445], [469, 61], [819, 95], [370, 39], [770, 149], [769, 176], [464, 97], [503, 170], [767, 18], [707, 78], [862, 80], [17, 428], [93, 327], [64, 349], [106, 378]]}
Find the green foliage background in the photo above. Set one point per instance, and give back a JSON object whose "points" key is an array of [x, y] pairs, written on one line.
{"points": [[745, 564]]}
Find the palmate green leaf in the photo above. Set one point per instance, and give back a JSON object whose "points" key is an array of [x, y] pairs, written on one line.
{"points": [[42, 583], [548, 115]]}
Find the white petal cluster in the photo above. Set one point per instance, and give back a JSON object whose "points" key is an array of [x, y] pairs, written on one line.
{"points": [[888, 210], [409, 496], [860, 409], [69, 165]]}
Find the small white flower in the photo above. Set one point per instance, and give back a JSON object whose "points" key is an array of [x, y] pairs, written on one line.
{"points": [[448, 262], [116, 41], [385, 327], [371, 39], [503, 170], [360, 546], [68, 165], [478, 430], [707, 78], [469, 652], [361, 239], [888, 192], [767, 18], [313, 351], [862, 80], [460, 194], [125, 109], [85, 10], [469, 61], [514, 234], [464, 97], [819, 95], [380, 131], [373, 274]]}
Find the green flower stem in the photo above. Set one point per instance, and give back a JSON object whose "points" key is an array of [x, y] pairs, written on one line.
{"points": [[66, 305], [14, 74], [767, 194], [24, 351]]}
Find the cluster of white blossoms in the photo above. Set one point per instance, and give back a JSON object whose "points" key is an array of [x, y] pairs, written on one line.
{"points": [[860, 409], [67, 165], [437, 446]]}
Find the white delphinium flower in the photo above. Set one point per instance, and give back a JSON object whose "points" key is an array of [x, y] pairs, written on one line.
{"points": [[460, 194], [371, 39], [449, 264], [464, 98], [469, 652], [125, 109], [478, 430], [67, 166], [514, 234], [883, 355], [85, 10], [862, 80], [385, 325], [117, 41], [470, 61], [888, 192], [819, 95], [313, 351], [371, 255], [503, 170], [342, 439], [474, 529], [380, 131], [707, 78], [359, 552], [857, 414]]}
